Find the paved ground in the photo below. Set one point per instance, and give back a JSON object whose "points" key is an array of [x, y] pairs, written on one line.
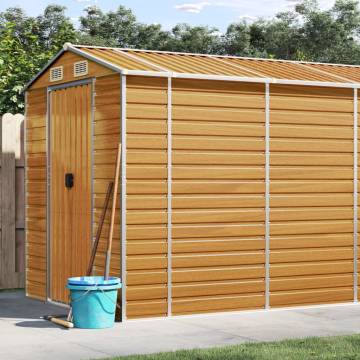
{"points": [[23, 335]]}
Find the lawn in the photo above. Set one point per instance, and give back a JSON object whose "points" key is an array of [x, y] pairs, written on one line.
{"points": [[340, 347]]}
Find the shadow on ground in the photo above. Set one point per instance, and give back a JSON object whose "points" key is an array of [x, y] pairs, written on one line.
{"points": [[38, 324], [14, 305]]}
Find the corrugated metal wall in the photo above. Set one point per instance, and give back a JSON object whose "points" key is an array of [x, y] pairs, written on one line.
{"points": [[146, 197], [106, 137], [36, 193], [218, 193], [218, 196], [311, 215], [70, 149]]}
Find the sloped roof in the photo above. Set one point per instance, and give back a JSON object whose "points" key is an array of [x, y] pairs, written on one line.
{"points": [[161, 63]]}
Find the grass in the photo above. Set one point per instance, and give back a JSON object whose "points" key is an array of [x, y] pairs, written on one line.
{"points": [[340, 347]]}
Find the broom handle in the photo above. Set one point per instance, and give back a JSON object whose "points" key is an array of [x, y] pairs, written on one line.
{"points": [[97, 238], [116, 184]]}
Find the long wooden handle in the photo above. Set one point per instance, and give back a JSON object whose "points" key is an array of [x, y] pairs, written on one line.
{"points": [[61, 322], [112, 220], [99, 229]]}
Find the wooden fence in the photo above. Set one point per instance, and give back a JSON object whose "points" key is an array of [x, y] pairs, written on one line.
{"points": [[12, 210]]}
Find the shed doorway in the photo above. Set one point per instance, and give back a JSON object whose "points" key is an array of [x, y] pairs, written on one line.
{"points": [[70, 191]]}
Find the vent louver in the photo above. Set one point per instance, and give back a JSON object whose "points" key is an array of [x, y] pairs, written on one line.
{"points": [[80, 68], [56, 73]]}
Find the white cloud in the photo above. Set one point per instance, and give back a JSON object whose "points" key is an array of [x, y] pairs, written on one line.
{"points": [[251, 8], [248, 18], [90, 2], [195, 8]]}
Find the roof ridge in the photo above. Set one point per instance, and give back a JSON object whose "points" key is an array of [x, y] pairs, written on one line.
{"points": [[219, 56]]}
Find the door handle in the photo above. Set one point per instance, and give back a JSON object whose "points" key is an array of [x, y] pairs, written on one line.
{"points": [[69, 180]]}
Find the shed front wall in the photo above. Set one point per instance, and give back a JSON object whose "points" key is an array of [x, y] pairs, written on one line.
{"points": [[106, 133], [106, 137], [35, 197]]}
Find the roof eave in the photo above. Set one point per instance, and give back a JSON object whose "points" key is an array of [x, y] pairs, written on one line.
{"points": [[48, 64]]}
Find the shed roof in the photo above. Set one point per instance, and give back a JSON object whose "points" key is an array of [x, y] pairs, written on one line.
{"points": [[163, 63]]}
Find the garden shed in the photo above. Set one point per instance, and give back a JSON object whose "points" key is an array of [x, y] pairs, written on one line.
{"points": [[238, 179]]}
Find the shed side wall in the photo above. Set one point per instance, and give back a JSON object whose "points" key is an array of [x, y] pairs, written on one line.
{"points": [[311, 187], [218, 210], [146, 211], [36, 194], [106, 139]]}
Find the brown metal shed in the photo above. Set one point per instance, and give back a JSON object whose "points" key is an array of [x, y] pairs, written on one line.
{"points": [[239, 179]]}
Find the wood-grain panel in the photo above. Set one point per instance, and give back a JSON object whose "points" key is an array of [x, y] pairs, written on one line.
{"points": [[146, 128], [35, 197], [318, 296], [67, 60], [70, 208], [311, 187], [106, 139], [218, 172]]}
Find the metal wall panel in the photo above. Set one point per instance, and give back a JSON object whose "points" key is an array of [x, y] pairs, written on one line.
{"points": [[35, 153], [311, 195], [146, 197], [218, 204], [106, 140]]}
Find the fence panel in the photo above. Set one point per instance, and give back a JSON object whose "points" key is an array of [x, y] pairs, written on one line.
{"points": [[12, 210]]}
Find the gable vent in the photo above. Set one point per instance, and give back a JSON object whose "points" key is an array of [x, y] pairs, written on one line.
{"points": [[56, 73], [81, 68]]}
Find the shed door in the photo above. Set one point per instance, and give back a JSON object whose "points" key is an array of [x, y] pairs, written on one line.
{"points": [[70, 207]]}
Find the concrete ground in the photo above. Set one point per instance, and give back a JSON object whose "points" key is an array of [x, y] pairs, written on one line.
{"points": [[23, 335]]}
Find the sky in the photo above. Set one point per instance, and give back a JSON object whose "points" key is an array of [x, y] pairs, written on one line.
{"points": [[217, 13]]}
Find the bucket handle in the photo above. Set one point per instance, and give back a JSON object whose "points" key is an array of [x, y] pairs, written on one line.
{"points": [[114, 302], [79, 298], [86, 292]]}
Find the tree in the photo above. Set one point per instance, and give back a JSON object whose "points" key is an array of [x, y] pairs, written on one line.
{"points": [[117, 27], [194, 39], [26, 45], [151, 37], [55, 28], [21, 57], [236, 40], [304, 33], [121, 28]]}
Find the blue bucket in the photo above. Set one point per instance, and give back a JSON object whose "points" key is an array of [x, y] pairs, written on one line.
{"points": [[93, 301]]}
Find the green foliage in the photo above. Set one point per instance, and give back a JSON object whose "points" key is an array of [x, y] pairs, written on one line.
{"points": [[194, 39], [307, 33], [20, 56], [26, 45], [327, 348]]}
